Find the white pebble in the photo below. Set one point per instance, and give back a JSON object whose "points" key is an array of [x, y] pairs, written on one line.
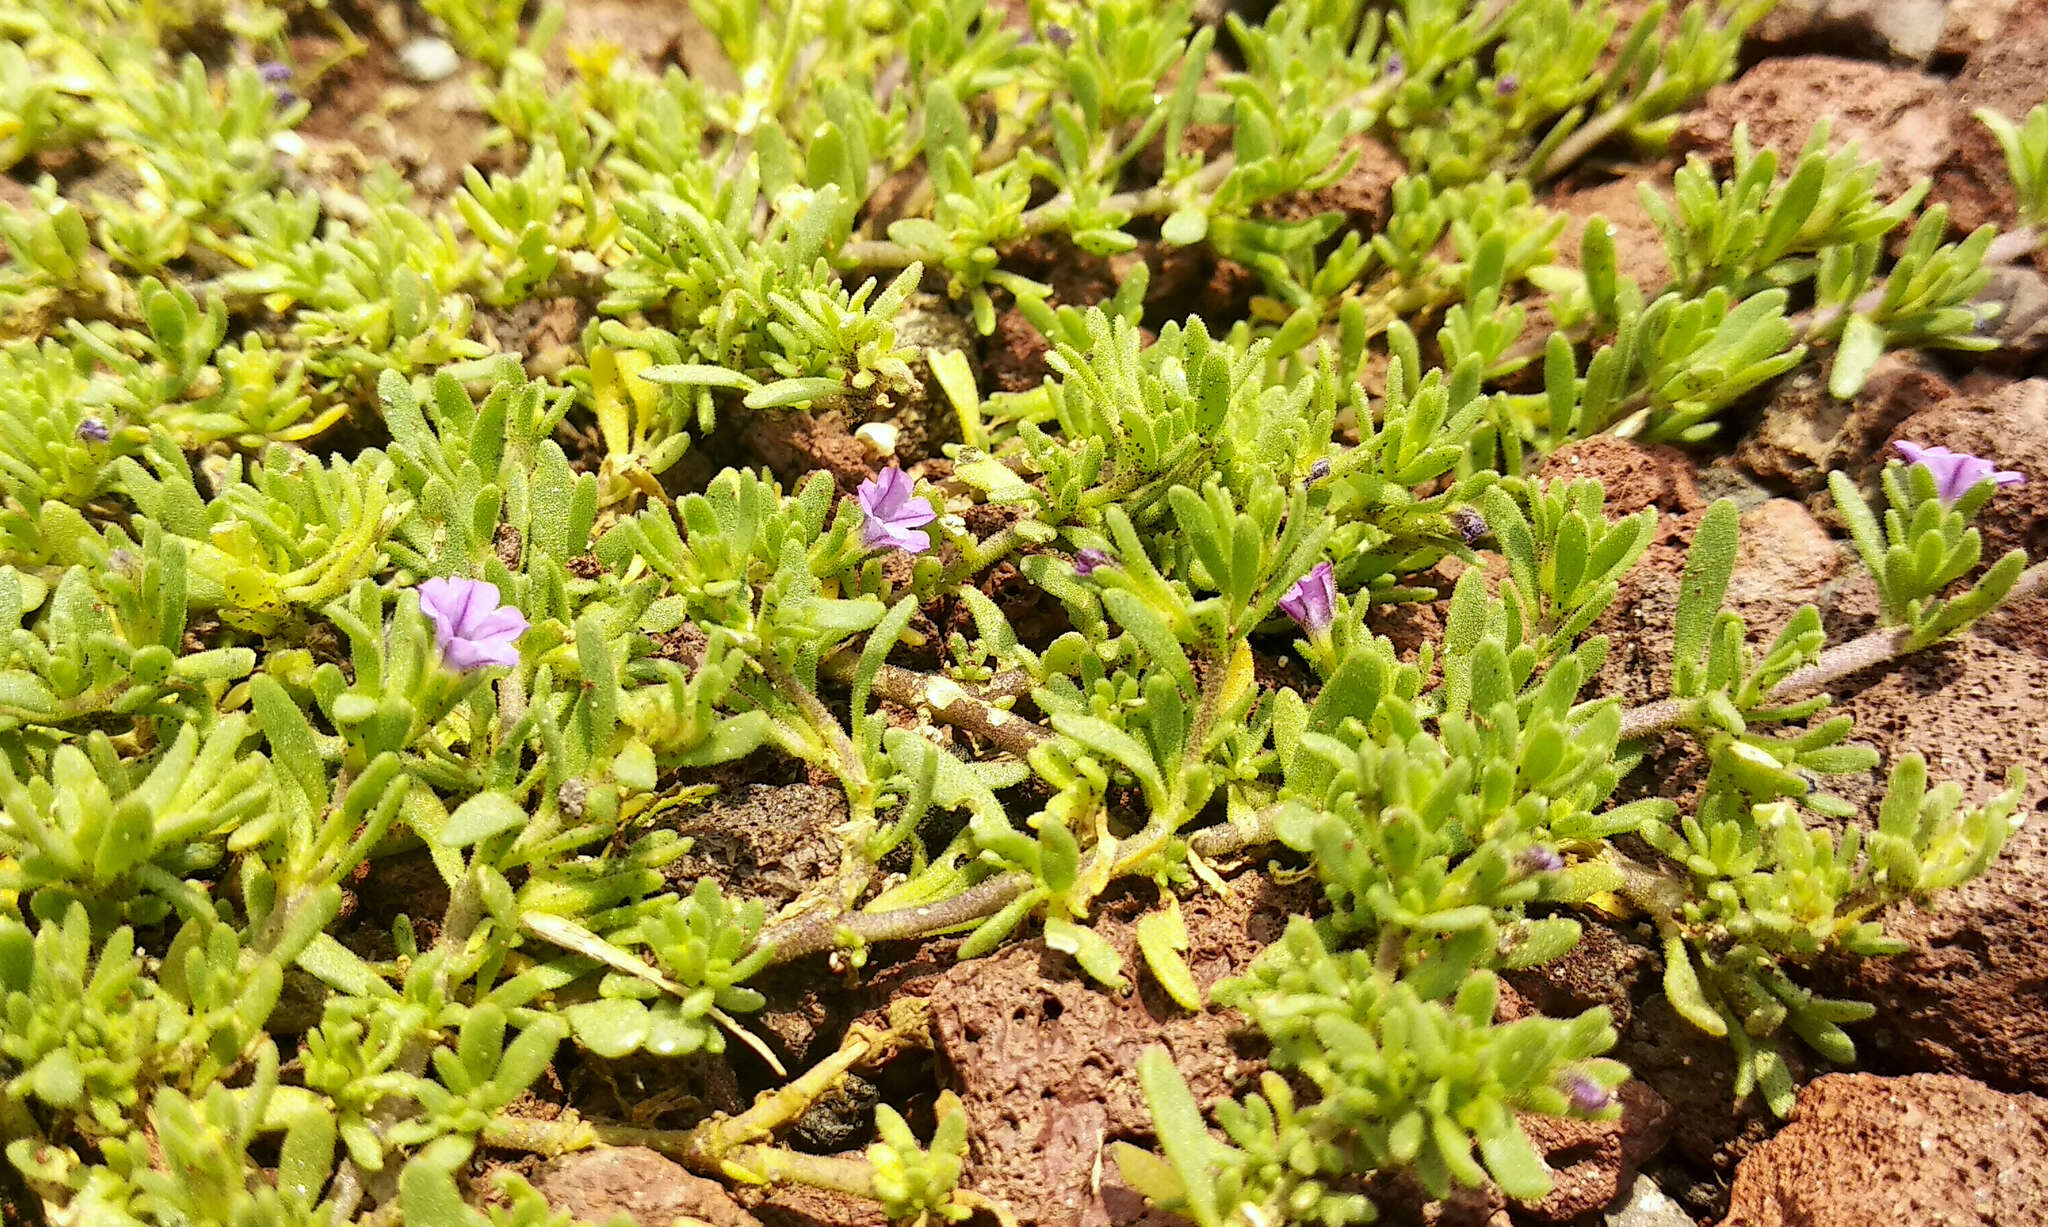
{"points": [[428, 60], [878, 437]]}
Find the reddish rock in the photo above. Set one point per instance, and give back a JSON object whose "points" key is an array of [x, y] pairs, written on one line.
{"points": [[1013, 356], [649, 33], [1362, 195], [1638, 245], [1694, 1073], [794, 444], [1904, 31], [1196, 281], [1633, 475], [1902, 118], [1970, 995], [1973, 23], [2007, 72], [1045, 1060], [1595, 1161], [1786, 560], [1804, 432], [1077, 278], [1923, 1150], [651, 1190], [1604, 969], [800, 1205]]}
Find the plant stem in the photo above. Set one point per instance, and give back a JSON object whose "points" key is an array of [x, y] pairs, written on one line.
{"points": [[774, 1165], [723, 1142], [952, 704], [1590, 134], [458, 923], [810, 935], [814, 934], [1876, 648]]}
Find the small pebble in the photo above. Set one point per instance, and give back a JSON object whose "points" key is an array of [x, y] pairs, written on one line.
{"points": [[427, 60], [879, 438]]}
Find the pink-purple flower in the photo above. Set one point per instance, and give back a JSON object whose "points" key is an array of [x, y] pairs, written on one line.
{"points": [[1313, 600], [1588, 1095], [1956, 473], [470, 627], [895, 516], [1086, 561], [1470, 525]]}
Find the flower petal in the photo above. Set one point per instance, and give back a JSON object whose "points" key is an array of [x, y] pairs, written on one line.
{"points": [[883, 493], [440, 600], [914, 513], [880, 534], [475, 653], [478, 602], [505, 622]]}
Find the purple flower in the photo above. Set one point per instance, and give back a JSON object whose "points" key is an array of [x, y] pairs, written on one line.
{"points": [[1507, 85], [1588, 1095], [1396, 65], [1319, 470], [895, 519], [278, 77], [1313, 600], [92, 430], [1470, 525], [1956, 473], [470, 627], [1085, 561], [1540, 859]]}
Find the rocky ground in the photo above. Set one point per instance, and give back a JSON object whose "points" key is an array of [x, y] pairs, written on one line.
{"points": [[1946, 1121]]}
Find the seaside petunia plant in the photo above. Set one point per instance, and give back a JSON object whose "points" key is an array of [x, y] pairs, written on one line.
{"points": [[398, 562]]}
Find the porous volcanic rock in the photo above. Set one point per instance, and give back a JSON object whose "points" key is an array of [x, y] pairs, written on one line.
{"points": [[1804, 431], [1899, 116], [1925, 1150], [1904, 31], [1638, 244], [1973, 23], [1694, 1074], [1362, 195], [1594, 1162], [1604, 969], [1785, 559], [764, 841], [2007, 72], [1045, 1060], [654, 34], [1970, 995], [1633, 475], [652, 1190]]}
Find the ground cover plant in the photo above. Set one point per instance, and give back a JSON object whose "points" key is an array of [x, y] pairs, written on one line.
{"points": [[364, 666]]}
